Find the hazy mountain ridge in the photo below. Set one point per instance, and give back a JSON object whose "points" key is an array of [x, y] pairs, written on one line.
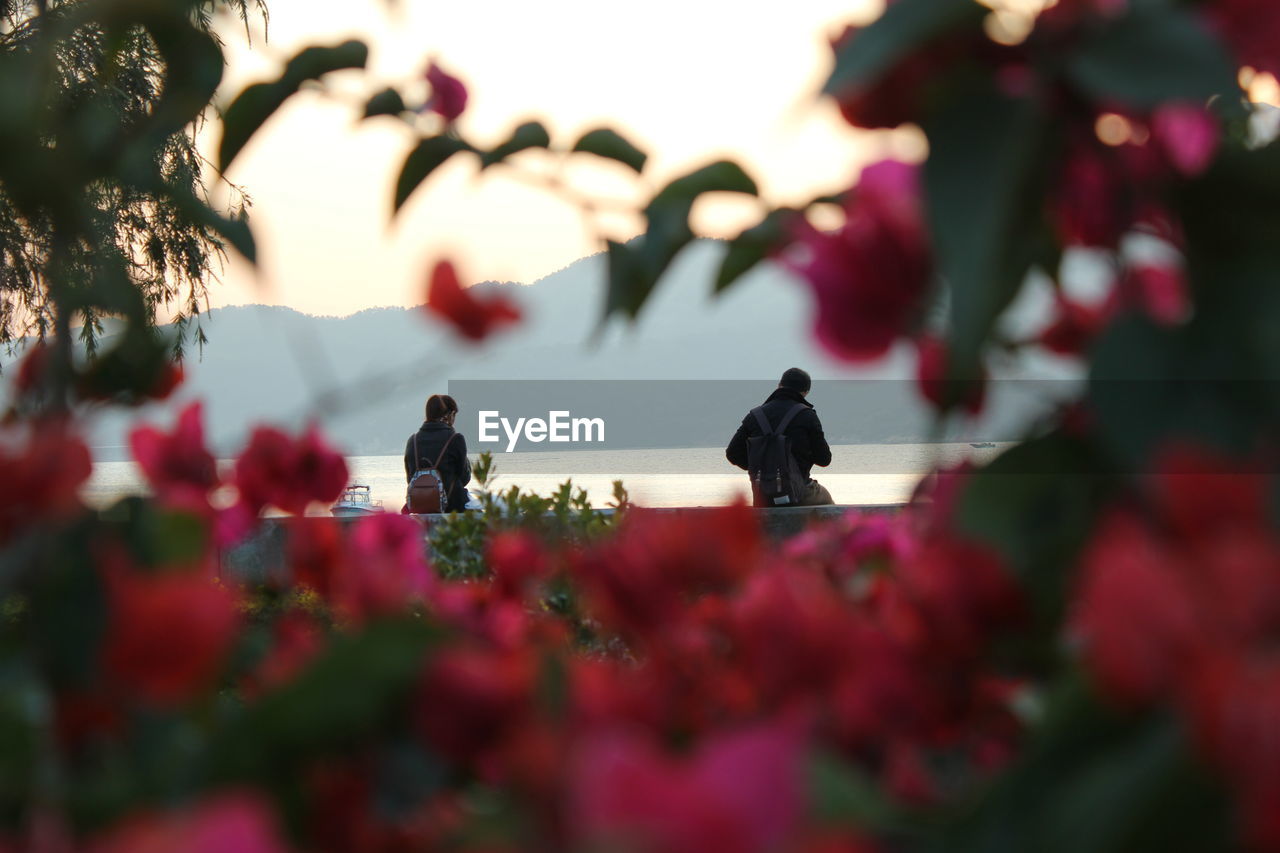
{"points": [[364, 377]]}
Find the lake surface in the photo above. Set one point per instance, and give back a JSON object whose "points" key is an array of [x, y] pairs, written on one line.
{"points": [[699, 476]]}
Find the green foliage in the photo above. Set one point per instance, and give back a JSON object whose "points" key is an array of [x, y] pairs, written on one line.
{"points": [[565, 516], [427, 156], [1155, 54], [252, 107], [607, 143], [905, 27], [982, 188], [531, 134], [100, 181], [634, 268]]}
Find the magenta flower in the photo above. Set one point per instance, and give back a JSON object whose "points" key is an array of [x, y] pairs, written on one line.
{"points": [[870, 277], [448, 95]]}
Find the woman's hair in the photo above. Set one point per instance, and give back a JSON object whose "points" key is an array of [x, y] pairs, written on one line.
{"points": [[440, 405]]}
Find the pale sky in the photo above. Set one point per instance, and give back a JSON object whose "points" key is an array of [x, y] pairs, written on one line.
{"points": [[688, 80]]}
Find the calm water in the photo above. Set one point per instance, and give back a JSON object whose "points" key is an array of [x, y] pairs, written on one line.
{"points": [[859, 474]]}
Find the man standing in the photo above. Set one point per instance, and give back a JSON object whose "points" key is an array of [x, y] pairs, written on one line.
{"points": [[786, 414]]}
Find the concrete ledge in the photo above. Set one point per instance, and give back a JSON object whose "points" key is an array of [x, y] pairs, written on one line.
{"points": [[264, 556]]}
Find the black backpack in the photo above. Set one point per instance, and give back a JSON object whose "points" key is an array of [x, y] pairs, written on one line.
{"points": [[775, 475]]}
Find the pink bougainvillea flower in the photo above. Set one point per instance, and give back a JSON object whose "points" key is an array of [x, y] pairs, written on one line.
{"points": [[1188, 134], [472, 315], [870, 277], [1074, 327], [448, 95], [242, 822], [470, 699], [168, 633], [941, 393], [385, 569], [44, 467], [1158, 290], [1088, 207], [740, 792], [177, 465], [277, 470], [517, 560]]}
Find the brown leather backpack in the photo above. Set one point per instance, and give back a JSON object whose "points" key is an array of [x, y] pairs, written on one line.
{"points": [[427, 492]]}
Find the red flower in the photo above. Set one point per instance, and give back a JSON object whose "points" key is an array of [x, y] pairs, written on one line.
{"points": [[448, 95], [385, 569], [1090, 206], [1074, 328], [177, 465], [657, 563], [43, 472], [1251, 29], [941, 393], [870, 277], [1160, 292], [740, 792], [469, 700], [517, 560], [168, 633], [240, 821], [289, 473], [472, 316]]}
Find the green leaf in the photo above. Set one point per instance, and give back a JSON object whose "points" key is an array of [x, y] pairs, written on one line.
{"points": [[257, 103], [193, 71], [1036, 503], [905, 26], [604, 142], [429, 155], [314, 62], [752, 246], [528, 135], [721, 176], [981, 185], [634, 268], [1154, 54], [386, 103], [840, 793], [1093, 779]]}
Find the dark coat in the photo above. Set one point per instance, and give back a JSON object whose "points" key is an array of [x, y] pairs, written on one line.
{"points": [[808, 444], [454, 469]]}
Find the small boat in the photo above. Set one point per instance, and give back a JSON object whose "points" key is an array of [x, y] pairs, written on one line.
{"points": [[982, 444], [355, 500]]}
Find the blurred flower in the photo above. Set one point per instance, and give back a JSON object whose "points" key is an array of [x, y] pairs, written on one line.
{"points": [[448, 95], [168, 633], [1188, 134], [472, 315], [44, 466], [239, 822], [1251, 29], [1158, 290], [740, 792], [870, 277], [940, 392], [276, 470], [385, 569], [177, 465], [1074, 327]]}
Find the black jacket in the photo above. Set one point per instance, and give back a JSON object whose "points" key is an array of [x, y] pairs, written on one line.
{"points": [[808, 444], [455, 469]]}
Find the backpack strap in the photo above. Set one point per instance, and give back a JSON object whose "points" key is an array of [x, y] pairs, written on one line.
{"points": [[413, 442], [790, 416], [758, 411], [447, 442]]}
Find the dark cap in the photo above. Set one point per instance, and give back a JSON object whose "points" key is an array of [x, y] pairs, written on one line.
{"points": [[795, 379]]}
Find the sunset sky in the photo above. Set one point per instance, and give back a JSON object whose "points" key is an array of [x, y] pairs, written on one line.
{"points": [[687, 81]]}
